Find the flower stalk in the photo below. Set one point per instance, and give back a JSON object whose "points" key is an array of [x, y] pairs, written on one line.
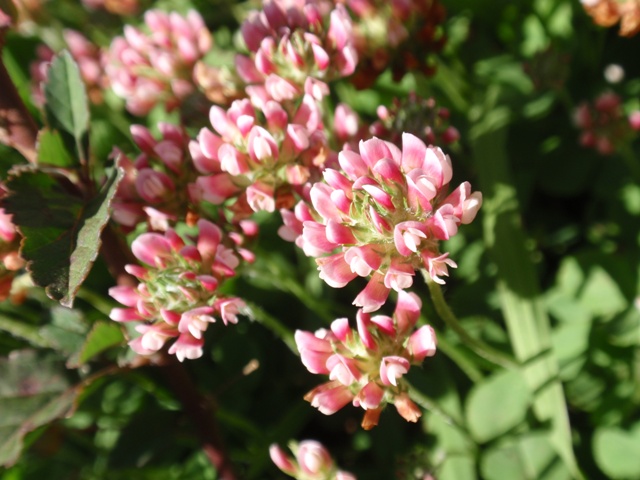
{"points": [[446, 314]]}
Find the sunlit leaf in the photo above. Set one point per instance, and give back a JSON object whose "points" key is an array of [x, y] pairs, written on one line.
{"points": [[66, 102], [52, 151], [616, 451], [497, 404], [528, 457]]}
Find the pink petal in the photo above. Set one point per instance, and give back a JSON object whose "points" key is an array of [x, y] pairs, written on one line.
{"points": [[334, 270], [407, 311], [329, 397], [152, 249], [374, 294], [422, 343]]}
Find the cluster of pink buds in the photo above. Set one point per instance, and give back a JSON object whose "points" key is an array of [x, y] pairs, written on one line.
{"points": [[366, 365], [312, 462], [38, 72], [402, 34], [604, 124], [383, 216], [86, 54], [155, 186], [419, 116], [260, 160], [118, 7], [153, 68], [290, 41], [177, 296], [10, 260]]}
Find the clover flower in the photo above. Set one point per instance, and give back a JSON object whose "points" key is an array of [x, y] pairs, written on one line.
{"points": [[177, 297], [401, 34], [604, 125], [312, 462], [156, 184], [290, 41], [419, 116], [382, 216], [157, 67], [262, 160], [366, 365]]}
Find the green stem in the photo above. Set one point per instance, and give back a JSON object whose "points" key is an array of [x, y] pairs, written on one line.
{"points": [[446, 314], [457, 357], [429, 404], [275, 325]]}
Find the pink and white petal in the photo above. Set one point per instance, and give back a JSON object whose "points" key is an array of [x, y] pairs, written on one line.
{"points": [[153, 249], [407, 311], [374, 294], [392, 368], [329, 397], [413, 152], [314, 235], [422, 343], [334, 270]]}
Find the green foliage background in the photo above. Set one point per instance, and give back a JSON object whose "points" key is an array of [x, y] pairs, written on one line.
{"points": [[548, 274]]}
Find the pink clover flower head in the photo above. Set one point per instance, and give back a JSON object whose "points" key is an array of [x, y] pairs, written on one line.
{"points": [[156, 66], [603, 124], [366, 365], [383, 216], [401, 34], [420, 116], [289, 42], [160, 183], [177, 296], [260, 161], [310, 461]]}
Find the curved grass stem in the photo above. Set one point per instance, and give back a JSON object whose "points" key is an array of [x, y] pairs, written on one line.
{"points": [[477, 346]]}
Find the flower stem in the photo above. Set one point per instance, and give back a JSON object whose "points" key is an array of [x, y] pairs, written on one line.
{"points": [[202, 414], [428, 404], [275, 325], [470, 370], [480, 348]]}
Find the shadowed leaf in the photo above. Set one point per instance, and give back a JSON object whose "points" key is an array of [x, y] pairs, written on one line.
{"points": [[61, 233], [102, 336]]}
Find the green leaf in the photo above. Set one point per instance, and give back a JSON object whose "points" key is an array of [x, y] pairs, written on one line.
{"points": [[61, 233], [528, 457], [66, 333], [66, 101], [51, 149], [616, 451], [33, 392], [527, 321], [102, 336], [23, 330], [601, 294], [497, 404]]}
